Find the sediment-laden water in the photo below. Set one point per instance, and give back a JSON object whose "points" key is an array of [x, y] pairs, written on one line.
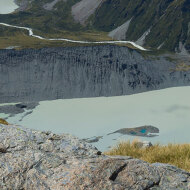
{"points": [[7, 6], [168, 110]]}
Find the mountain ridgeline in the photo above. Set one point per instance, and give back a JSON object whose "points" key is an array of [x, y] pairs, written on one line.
{"points": [[156, 24]]}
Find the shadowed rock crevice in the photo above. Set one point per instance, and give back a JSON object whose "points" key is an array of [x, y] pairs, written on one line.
{"points": [[33, 161], [154, 185], [115, 174]]}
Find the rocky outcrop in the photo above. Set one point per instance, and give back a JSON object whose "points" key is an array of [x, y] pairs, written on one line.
{"points": [[75, 72], [42, 160], [15, 109]]}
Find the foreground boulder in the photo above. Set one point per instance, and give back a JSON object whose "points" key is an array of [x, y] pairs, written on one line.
{"points": [[42, 160]]}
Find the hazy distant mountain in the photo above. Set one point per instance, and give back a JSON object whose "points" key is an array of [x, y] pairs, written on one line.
{"points": [[158, 24]]}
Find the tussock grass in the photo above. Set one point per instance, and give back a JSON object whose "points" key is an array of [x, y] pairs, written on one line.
{"points": [[2, 121], [21, 40], [174, 154]]}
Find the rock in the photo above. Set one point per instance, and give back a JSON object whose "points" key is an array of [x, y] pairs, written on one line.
{"points": [[34, 160], [54, 137], [21, 106], [143, 131], [144, 144], [14, 109], [93, 139], [3, 148]]}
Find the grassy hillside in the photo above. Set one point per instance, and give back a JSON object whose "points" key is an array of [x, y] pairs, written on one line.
{"points": [[55, 23], [35, 16], [168, 21], [20, 39]]}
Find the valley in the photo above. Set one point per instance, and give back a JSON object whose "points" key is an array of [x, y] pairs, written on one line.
{"points": [[31, 33], [63, 79], [65, 51], [89, 87], [59, 20], [94, 118]]}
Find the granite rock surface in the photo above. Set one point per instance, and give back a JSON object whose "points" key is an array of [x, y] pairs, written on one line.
{"points": [[42, 160]]}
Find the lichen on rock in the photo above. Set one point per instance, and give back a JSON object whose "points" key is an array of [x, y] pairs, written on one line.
{"points": [[32, 159]]}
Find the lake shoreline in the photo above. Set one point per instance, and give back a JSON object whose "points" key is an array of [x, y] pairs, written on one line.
{"points": [[126, 117], [43, 160]]}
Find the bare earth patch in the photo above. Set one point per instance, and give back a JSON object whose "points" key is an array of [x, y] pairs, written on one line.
{"points": [[49, 6], [120, 32]]}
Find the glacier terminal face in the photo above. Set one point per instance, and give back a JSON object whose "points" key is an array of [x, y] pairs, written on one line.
{"points": [[76, 72]]}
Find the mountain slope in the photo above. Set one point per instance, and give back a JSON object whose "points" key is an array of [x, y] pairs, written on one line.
{"points": [[167, 20], [156, 24], [38, 16]]}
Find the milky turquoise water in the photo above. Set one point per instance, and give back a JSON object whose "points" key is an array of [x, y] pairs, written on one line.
{"points": [[7, 6], [168, 110]]}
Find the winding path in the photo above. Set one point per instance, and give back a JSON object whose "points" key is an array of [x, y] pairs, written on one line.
{"points": [[73, 41]]}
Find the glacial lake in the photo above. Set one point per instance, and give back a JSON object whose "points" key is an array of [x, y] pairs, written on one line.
{"points": [[168, 110], [7, 6]]}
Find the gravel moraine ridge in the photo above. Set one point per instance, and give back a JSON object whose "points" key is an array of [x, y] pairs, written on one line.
{"points": [[42, 160], [81, 72]]}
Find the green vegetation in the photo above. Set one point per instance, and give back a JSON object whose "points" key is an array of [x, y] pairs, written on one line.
{"points": [[169, 21], [21, 39], [37, 17], [182, 67], [175, 154], [57, 23]]}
